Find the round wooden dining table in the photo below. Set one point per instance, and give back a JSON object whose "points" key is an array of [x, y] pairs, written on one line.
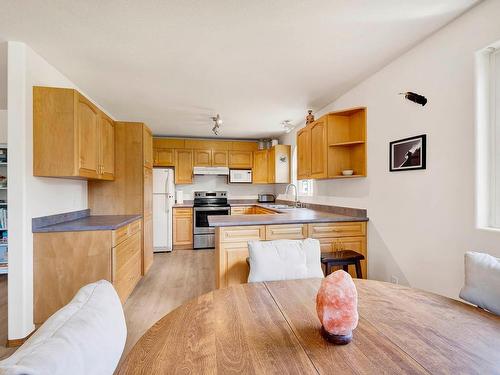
{"points": [[273, 328]]}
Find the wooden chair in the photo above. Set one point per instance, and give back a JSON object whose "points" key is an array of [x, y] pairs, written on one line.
{"points": [[342, 258]]}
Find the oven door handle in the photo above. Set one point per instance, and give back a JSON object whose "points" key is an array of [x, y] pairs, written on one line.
{"points": [[201, 209]]}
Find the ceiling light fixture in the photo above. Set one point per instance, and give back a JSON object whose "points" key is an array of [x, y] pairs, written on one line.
{"points": [[217, 123], [286, 124]]}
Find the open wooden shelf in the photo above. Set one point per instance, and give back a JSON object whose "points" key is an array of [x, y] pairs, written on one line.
{"points": [[352, 176], [350, 143]]}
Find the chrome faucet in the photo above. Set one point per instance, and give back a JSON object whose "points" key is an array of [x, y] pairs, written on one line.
{"points": [[296, 200]]}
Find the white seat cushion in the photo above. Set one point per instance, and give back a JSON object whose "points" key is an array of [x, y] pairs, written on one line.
{"points": [[87, 336], [284, 260], [482, 281]]}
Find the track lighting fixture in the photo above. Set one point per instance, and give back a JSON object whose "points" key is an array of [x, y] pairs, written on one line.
{"points": [[217, 123]]}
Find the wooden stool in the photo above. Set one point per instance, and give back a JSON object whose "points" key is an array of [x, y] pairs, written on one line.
{"points": [[343, 258]]}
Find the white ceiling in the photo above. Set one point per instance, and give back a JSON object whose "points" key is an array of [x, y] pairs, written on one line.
{"points": [[173, 64], [3, 75]]}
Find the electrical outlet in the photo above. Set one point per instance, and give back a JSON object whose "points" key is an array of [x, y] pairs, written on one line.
{"points": [[394, 280]]}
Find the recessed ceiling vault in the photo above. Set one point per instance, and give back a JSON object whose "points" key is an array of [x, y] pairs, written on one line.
{"points": [[175, 64]]}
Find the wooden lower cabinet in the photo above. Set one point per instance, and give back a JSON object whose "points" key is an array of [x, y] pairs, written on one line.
{"points": [[231, 249], [342, 236], [126, 261], [286, 232], [63, 262], [182, 228], [147, 246]]}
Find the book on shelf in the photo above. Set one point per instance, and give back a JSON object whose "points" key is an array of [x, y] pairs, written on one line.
{"points": [[3, 218]]}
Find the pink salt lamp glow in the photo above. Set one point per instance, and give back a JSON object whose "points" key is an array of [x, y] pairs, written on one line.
{"points": [[337, 307]]}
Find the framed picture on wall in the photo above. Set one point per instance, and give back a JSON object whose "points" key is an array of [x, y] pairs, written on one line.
{"points": [[407, 154]]}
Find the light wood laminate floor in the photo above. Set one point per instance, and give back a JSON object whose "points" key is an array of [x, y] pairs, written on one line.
{"points": [[174, 279]]}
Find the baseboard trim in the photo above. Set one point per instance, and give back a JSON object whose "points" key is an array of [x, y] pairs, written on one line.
{"points": [[18, 342]]}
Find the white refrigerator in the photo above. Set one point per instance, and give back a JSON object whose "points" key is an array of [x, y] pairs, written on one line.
{"points": [[163, 201]]}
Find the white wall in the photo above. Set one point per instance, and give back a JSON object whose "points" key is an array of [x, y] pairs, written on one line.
{"points": [[29, 196], [422, 222], [215, 183], [3, 126]]}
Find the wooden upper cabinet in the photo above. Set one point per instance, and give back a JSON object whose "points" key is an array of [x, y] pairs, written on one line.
{"points": [[148, 147], [304, 153], [219, 158], [164, 157], [279, 164], [240, 159], [107, 147], [261, 167], [87, 116], [202, 158], [319, 148], [183, 166], [72, 138]]}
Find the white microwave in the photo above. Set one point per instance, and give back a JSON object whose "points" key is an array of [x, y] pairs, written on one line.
{"points": [[240, 176]]}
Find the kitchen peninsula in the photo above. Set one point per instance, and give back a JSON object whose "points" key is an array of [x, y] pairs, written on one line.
{"points": [[336, 228]]}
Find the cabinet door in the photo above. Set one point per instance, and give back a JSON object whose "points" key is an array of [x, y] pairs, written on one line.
{"points": [[357, 244], [107, 147], [164, 157], [127, 266], [304, 153], [147, 144], [202, 158], [236, 263], [147, 253], [183, 166], [148, 191], [260, 167], [319, 146], [240, 159], [219, 158], [183, 228], [88, 138]]}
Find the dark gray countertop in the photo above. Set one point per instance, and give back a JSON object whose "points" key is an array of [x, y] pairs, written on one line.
{"points": [[287, 216], [79, 224]]}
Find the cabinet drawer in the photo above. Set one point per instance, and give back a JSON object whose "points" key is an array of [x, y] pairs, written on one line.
{"points": [[350, 229], [128, 277], [125, 251], [288, 232], [127, 265], [121, 234], [239, 234], [183, 212]]}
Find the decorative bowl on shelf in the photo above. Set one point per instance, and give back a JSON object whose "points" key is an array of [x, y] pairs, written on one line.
{"points": [[347, 172]]}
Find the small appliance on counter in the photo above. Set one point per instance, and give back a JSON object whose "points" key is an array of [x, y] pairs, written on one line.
{"points": [[240, 176], [179, 197], [266, 198]]}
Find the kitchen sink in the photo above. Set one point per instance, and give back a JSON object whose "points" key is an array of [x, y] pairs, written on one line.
{"points": [[280, 206]]}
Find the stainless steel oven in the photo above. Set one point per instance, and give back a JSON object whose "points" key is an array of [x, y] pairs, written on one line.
{"points": [[207, 204]]}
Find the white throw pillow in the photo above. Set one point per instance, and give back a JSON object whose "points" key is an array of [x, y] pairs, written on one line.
{"points": [[284, 260], [482, 281], [85, 337]]}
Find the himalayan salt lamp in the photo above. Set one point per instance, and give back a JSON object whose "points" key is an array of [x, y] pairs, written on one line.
{"points": [[337, 307]]}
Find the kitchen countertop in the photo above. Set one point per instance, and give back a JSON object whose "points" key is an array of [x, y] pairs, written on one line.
{"points": [[282, 216], [81, 221], [231, 202]]}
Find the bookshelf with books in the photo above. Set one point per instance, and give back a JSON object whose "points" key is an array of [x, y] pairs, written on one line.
{"points": [[4, 250]]}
